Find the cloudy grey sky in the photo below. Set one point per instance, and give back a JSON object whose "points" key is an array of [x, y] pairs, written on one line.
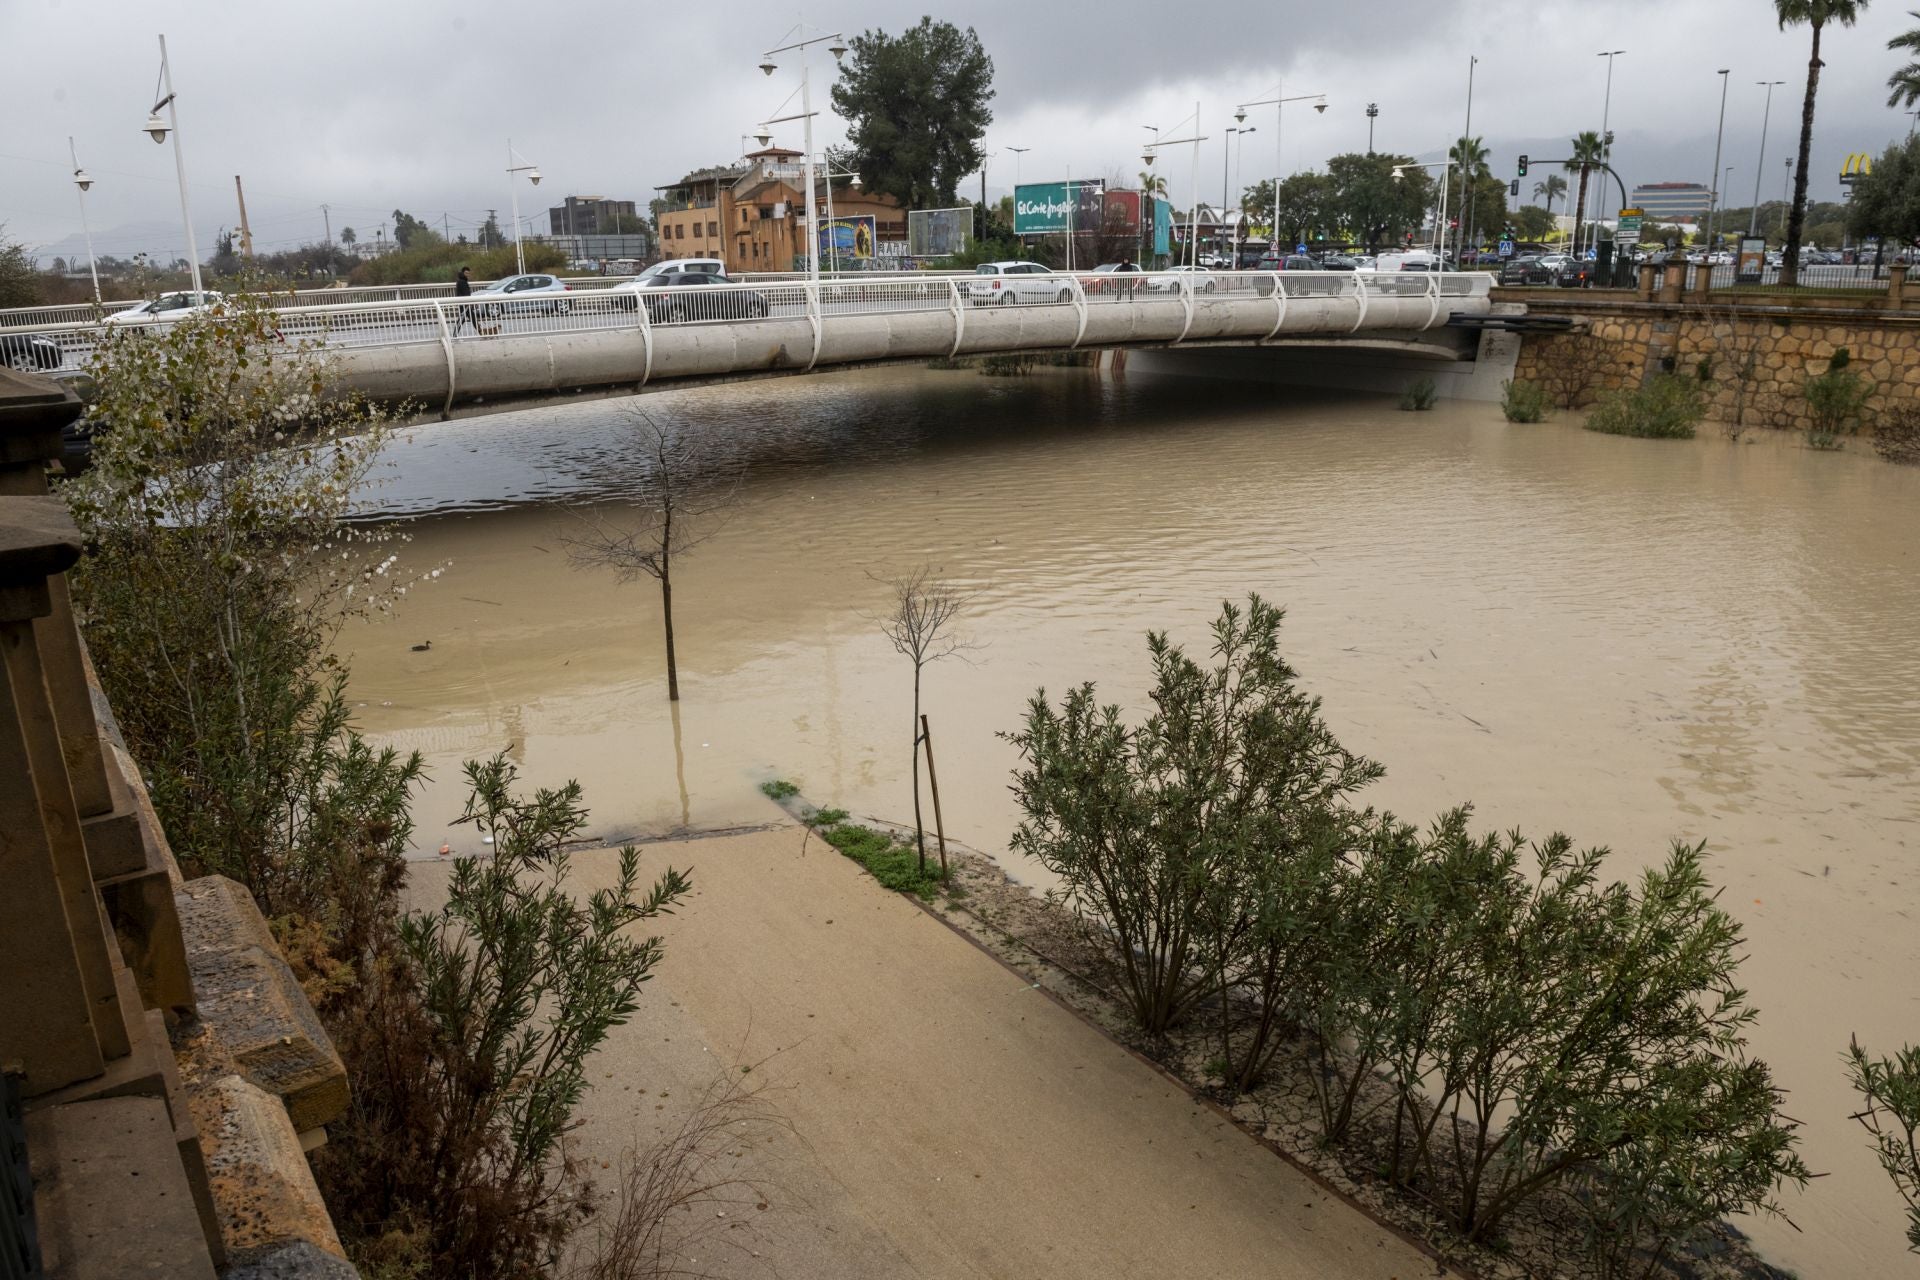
{"points": [[369, 106]]}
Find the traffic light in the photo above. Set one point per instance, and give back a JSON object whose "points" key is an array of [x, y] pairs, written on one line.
{"points": [[1523, 166], [1513, 188]]}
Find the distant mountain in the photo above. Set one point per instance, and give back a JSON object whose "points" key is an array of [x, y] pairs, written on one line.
{"points": [[164, 241]]}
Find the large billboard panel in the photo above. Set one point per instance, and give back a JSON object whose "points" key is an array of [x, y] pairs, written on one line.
{"points": [[939, 233], [1162, 226], [848, 239], [1122, 212], [1047, 208]]}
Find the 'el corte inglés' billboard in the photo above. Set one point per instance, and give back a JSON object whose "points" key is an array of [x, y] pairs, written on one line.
{"points": [[1045, 208]]}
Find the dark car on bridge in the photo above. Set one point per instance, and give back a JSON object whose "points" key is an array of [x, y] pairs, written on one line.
{"points": [[30, 352], [691, 295], [1578, 273], [1531, 268]]}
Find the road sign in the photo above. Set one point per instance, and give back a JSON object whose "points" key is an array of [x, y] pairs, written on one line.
{"points": [[1506, 248], [1627, 229]]}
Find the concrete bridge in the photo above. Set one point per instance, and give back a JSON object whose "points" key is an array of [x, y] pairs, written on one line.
{"points": [[452, 356]]}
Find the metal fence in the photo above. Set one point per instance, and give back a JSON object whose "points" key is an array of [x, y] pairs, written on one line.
{"points": [[445, 320]]}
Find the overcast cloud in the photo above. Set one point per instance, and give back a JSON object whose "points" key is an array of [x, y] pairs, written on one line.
{"points": [[408, 103]]}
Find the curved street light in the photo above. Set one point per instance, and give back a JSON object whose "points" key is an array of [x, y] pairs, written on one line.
{"points": [[837, 46], [83, 181], [158, 129]]}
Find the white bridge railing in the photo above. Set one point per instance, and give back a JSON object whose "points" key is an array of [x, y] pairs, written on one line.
{"points": [[427, 348]]}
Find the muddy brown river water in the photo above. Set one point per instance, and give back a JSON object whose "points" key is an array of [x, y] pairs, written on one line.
{"points": [[1631, 641]]}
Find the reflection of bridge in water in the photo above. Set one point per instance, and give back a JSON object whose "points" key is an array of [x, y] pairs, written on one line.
{"points": [[467, 355]]}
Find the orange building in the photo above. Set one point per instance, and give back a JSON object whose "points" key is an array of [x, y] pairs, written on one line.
{"points": [[748, 215]]}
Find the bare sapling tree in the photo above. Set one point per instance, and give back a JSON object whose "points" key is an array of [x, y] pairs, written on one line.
{"points": [[684, 504], [922, 629]]}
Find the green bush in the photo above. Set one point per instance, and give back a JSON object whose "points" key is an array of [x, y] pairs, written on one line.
{"points": [[1890, 1087], [1420, 396], [1484, 1021], [1667, 408], [1835, 401], [438, 262], [779, 789], [1523, 401]]}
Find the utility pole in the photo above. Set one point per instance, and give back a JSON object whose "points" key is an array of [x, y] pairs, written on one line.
{"points": [[446, 233], [1466, 174], [246, 234], [1373, 113], [326, 218]]}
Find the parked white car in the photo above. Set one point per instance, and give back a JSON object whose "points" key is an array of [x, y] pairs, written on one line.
{"points": [[1001, 284], [654, 275], [167, 308]]}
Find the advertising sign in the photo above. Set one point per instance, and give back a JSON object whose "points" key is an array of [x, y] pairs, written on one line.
{"points": [[1122, 212], [848, 239], [1752, 260], [1627, 229], [1162, 226], [1046, 208], [938, 233]]}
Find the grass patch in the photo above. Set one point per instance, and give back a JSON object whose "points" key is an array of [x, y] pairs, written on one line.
{"points": [[892, 861], [1523, 401], [1420, 396], [779, 789], [1667, 408]]}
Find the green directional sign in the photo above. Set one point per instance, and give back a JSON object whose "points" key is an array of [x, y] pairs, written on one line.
{"points": [[1627, 229]]}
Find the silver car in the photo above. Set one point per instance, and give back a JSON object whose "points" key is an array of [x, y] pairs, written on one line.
{"points": [[523, 295]]}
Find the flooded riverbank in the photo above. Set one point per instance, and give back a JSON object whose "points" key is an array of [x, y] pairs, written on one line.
{"points": [[1633, 641]]}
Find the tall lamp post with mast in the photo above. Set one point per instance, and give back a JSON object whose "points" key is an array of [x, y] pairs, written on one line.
{"points": [[1279, 104], [1147, 156], [1446, 178], [838, 48], [81, 181], [513, 190], [158, 129]]}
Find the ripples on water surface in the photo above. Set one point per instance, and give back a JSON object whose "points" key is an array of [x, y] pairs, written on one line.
{"points": [[1634, 641]]}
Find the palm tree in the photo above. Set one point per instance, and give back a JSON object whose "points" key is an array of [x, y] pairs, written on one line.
{"points": [[1152, 184], [1588, 151], [1470, 162], [1816, 14], [1905, 82], [1553, 188]]}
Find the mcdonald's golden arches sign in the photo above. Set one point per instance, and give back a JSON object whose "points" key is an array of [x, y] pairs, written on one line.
{"points": [[1858, 164]]}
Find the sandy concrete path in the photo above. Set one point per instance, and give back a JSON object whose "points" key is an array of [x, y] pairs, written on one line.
{"points": [[948, 1120]]}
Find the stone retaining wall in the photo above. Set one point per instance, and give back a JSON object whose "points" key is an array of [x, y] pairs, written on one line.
{"points": [[1757, 353]]}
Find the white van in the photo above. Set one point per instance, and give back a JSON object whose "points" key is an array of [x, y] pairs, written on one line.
{"points": [[674, 266], [1411, 260]]}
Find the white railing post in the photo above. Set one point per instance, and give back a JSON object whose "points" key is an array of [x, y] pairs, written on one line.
{"points": [[1433, 299], [1186, 300], [1280, 306], [1080, 306], [446, 342], [646, 336], [959, 308], [1360, 288], [812, 289]]}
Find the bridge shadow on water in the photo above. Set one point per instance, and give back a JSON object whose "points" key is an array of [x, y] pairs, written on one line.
{"points": [[585, 453]]}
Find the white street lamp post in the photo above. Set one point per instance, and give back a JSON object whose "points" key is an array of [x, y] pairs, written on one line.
{"points": [[513, 188], [1606, 133], [1760, 165], [1446, 178], [81, 182], [158, 129], [839, 50], [1713, 197], [1279, 104], [1466, 172]]}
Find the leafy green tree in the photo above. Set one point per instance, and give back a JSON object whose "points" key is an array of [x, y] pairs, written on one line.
{"points": [[1886, 202], [1816, 14], [19, 274], [474, 1054], [222, 565], [1533, 222], [1369, 203], [409, 231], [1306, 205], [917, 107], [1890, 1087], [1155, 832]]}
